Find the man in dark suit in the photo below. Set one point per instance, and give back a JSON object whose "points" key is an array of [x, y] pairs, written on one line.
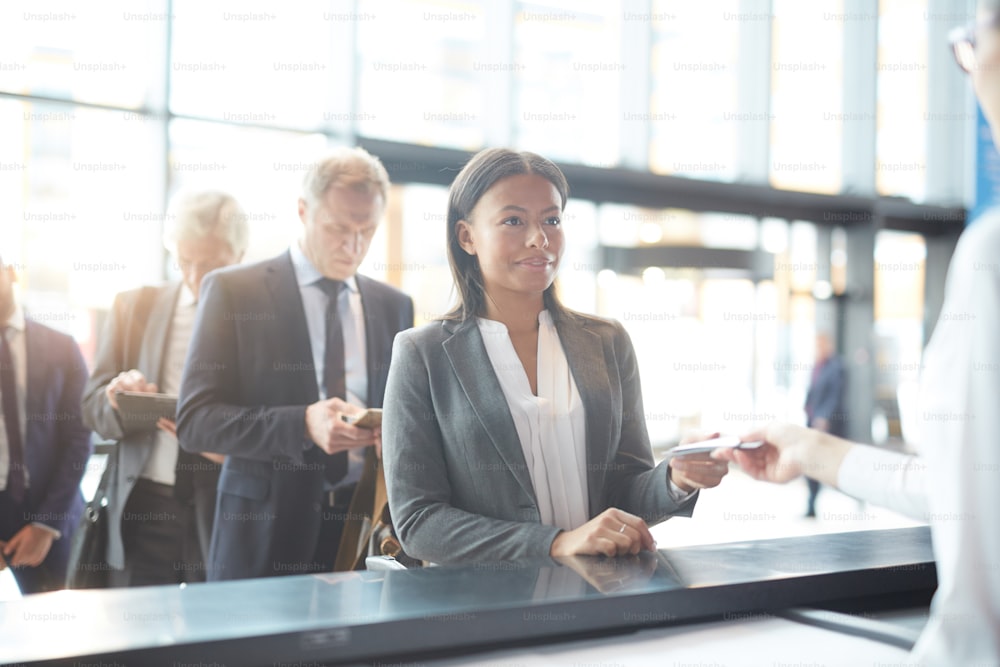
{"points": [[281, 351], [44, 445], [161, 499], [825, 402]]}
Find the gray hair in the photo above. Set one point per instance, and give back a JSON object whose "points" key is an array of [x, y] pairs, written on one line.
{"points": [[352, 167], [195, 215]]}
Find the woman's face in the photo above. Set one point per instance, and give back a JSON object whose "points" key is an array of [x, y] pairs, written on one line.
{"points": [[515, 231], [986, 75]]}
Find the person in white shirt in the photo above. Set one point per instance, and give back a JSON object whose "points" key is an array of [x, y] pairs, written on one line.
{"points": [[162, 499], [515, 427], [959, 420]]}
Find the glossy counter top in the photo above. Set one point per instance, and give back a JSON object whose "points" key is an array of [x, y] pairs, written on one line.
{"points": [[317, 619]]}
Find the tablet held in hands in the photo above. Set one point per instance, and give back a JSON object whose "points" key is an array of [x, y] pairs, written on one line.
{"points": [[139, 412]]}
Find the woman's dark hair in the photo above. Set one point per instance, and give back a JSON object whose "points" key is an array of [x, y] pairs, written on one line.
{"points": [[483, 170]]}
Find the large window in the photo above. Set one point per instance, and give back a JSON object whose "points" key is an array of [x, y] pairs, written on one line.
{"points": [[694, 112], [568, 70], [424, 72], [109, 53], [807, 82], [112, 109], [257, 63], [901, 143]]}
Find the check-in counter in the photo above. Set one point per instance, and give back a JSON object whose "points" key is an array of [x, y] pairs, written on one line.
{"points": [[426, 613]]}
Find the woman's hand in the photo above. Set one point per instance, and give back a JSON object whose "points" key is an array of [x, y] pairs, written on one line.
{"points": [[697, 471], [613, 532]]}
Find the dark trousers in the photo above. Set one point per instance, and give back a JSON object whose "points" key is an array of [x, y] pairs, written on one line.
{"points": [[813, 492], [331, 528], [160, 536], [29, 579]]}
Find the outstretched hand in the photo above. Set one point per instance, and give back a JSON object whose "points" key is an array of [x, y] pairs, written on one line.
{"points": [[789, 451]]}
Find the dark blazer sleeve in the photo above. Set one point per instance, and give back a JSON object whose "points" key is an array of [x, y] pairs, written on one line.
{"points": [[418, 483], [210, 417], [829, 391], [72, 438], [633, 483], [97, 411]]}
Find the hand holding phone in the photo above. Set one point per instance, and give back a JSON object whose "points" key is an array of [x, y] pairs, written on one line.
{"points": [[369, 418]]}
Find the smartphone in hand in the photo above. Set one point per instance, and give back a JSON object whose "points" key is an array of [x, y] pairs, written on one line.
{"points": [[368, 418]]}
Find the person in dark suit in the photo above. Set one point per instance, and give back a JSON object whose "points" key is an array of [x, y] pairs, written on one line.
{"points": [[825, 402], [44, 445], [515, 427], [161, 499], [282, 351]]}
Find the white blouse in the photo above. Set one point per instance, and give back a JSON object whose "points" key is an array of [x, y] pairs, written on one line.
{"points": [[551, 425]]}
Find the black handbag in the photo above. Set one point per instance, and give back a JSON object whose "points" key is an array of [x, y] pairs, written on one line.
{"points": [[88, 564]]}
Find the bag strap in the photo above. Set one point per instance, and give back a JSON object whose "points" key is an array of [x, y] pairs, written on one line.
{"points": [[351, 551], [380, 506]]}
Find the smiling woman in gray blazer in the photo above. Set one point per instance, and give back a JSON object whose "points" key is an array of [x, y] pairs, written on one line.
{"points": [[514, 427]]}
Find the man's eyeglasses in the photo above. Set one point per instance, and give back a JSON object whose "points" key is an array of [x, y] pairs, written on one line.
{"points": [[963, 42]]}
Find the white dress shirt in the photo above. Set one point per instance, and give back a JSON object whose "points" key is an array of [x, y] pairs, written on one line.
{"points": [[162, 462], [352, 320], [887, 479], [960, 441], [19, 354], [551, 425], [14, 332]]}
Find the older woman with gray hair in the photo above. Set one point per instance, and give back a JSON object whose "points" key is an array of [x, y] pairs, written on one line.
{"points": [[161, 498]]}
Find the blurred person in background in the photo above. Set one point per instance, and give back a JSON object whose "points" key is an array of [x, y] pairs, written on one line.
{"points": [[825, 402], [44, 446], [162, 499], [282, 351], [514, 427], [959, 422]]}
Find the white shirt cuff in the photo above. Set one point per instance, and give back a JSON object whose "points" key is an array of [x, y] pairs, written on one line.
{"points": [[677, 494], [52, 530]]}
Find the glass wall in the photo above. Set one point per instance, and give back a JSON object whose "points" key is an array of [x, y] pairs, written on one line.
{"points": [[567, 71], [111, 109], [693, 89], [807, 88], [901, 143]]}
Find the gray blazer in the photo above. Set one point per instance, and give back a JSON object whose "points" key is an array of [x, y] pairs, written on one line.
{"points": [[127, 324], [459, 488]]}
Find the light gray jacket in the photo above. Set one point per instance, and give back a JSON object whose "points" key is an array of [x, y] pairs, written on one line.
{"points": [[134, 337], [459, 488]]}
